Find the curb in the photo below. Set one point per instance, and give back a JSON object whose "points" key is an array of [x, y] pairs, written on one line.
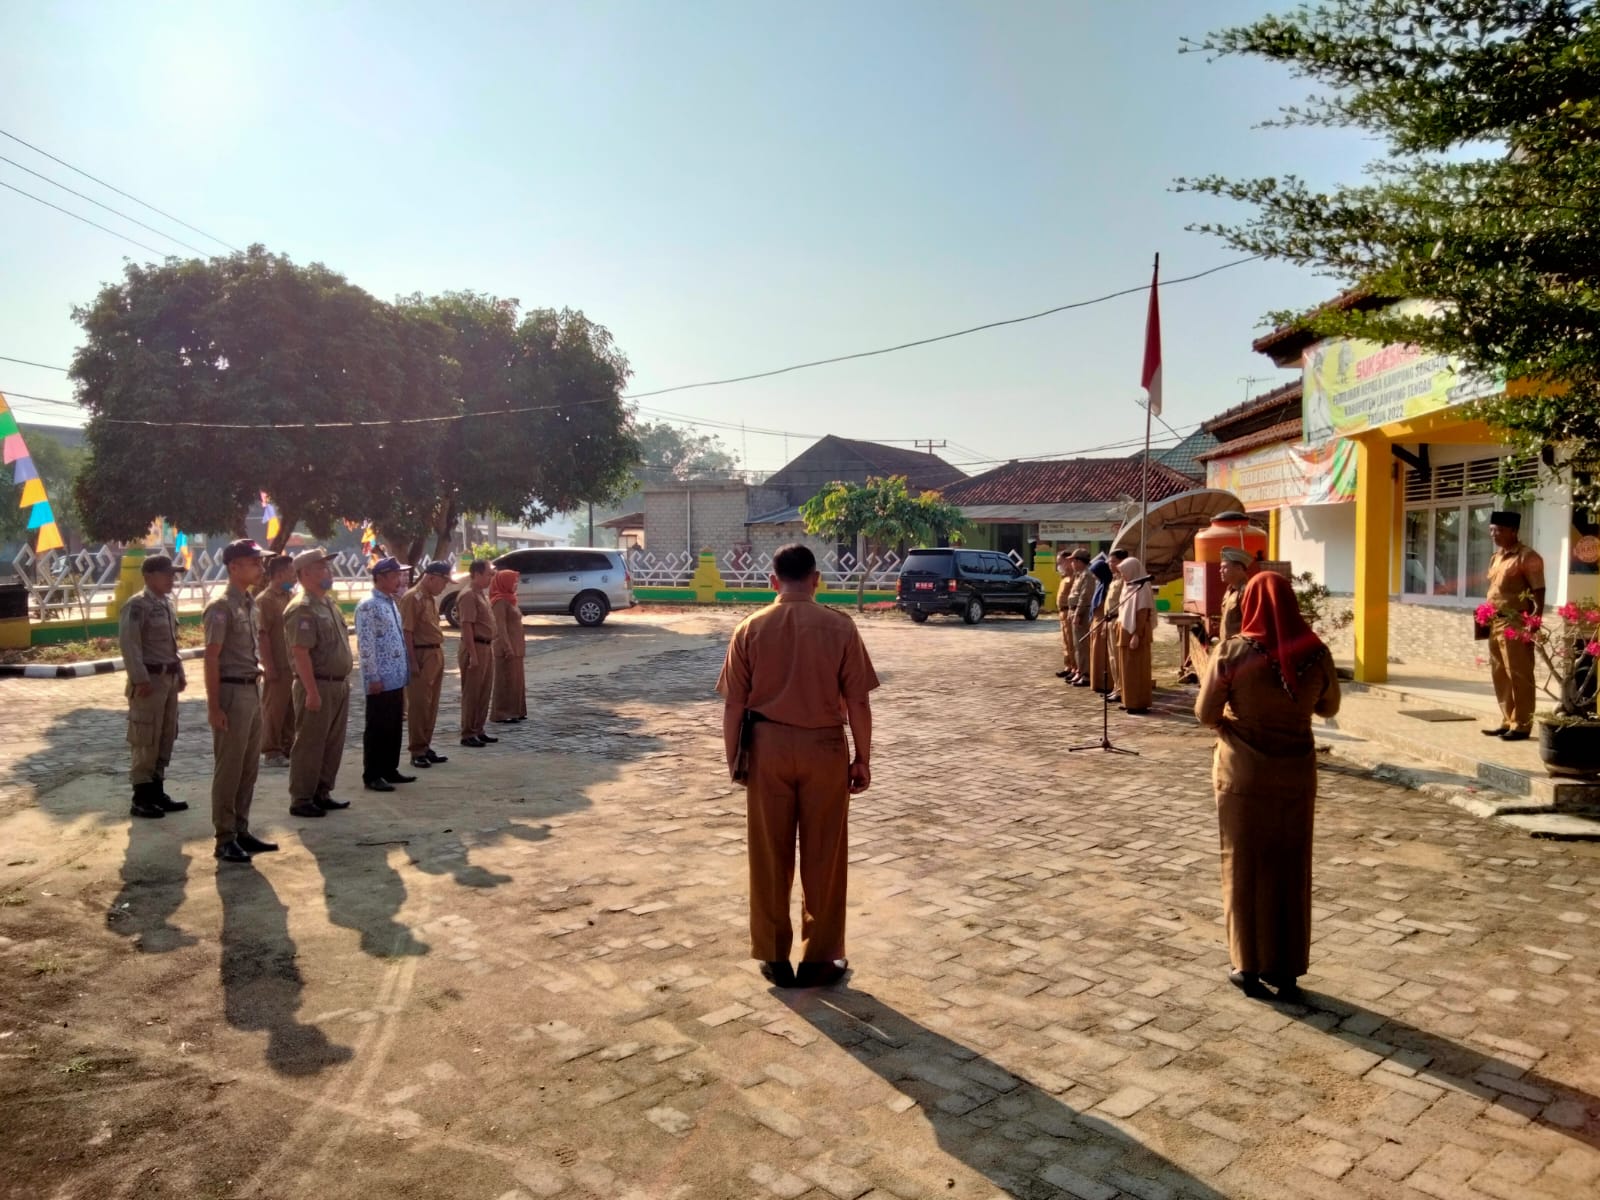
{"points": [[102, 666]]}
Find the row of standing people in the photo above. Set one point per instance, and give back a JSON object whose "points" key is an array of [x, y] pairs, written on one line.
{"points": [[277, 667], [1107, 607]]}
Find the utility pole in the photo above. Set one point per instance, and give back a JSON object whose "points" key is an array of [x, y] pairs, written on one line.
{"points": [[591, 523], [930, 445]]}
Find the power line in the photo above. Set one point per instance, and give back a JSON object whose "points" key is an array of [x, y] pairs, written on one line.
{"points": [[118, 191], [85, 220], [107, 207], [40, 399], [943, 337], [28, 362]]}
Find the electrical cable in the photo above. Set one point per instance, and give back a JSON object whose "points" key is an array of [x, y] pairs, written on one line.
{"points": [[85, 220], [115, 211]]}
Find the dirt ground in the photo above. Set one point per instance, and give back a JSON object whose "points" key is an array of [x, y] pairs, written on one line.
{"points": [[526, 975]]}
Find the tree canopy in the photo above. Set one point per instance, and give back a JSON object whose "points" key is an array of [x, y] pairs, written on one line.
{"points": [[882, 511], [1485, 201]]}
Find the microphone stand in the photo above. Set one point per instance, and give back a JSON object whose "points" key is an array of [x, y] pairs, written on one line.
{"points": [[1105, 732]]}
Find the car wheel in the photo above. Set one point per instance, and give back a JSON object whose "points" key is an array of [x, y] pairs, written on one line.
{"points": [[447, 610], [973, 612], [1031, 612], [920, 617], [591, 609]]}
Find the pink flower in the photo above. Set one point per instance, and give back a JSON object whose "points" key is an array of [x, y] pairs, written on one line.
{"points": [[1511, 635], [1592, 649], [1532, 622], [1485, 614], [1568, 611], [1592, 616]]}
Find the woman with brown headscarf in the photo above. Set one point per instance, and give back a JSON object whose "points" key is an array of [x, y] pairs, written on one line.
{"points": [[510, 644], [1135, 620], [1260, 692]]}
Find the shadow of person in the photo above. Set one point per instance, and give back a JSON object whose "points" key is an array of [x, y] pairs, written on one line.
{"points": [[1021, 1138], [449, 854], [362, 889], [261, 983], [1437, 1060], [155, 875]]}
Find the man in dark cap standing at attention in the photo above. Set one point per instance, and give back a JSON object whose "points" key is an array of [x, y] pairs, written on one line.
{"points": [[319, 643], [1516, 585], [419, 617], [385, 669], [148, 628], [233, 703]]}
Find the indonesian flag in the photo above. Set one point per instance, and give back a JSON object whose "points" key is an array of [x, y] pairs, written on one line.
{"points": [[1150, 380]]}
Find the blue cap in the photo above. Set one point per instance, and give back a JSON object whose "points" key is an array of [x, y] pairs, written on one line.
{"points": [[385, 565], [437, 568]]}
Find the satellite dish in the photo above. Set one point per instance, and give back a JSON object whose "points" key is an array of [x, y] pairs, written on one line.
{"points": [[1170, 528]]}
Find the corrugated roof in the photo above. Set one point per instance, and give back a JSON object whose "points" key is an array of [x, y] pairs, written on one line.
{"points": [[1184, 458], [1283, 431], [633, 520], [1067, 481], [1252, 407], [784, 516]]}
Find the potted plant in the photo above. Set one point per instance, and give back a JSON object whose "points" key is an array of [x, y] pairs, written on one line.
{"points": [[1569, 737]]}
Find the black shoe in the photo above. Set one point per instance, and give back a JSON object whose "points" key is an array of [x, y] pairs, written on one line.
{"points": [[1250, 984], [1081, 683], [1063, 674], [1514, 735], [158, 790], [1114, 698], [396, 777], [254, 845], [505, 720], [306, 808], [421, 761], [436, 758], [476, 743], [144, 808], [1497, 731], [329, 804], [377, 785], [778, 974], [232, 852], [821, 974], [486, 739]]}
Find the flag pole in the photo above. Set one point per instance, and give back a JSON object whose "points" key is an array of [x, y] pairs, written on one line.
{"points": [[1149, 404]]}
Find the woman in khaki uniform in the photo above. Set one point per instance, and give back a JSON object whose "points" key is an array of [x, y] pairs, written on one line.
{"points": [[510, 647], [1134, 627], [1260, 693]]}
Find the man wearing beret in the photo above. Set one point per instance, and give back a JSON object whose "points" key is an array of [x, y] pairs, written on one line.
{"points": [[148, 630], [1516, 585], [385, 669], [233, 703], [319, 643], [1236, 570], [419, 617]]}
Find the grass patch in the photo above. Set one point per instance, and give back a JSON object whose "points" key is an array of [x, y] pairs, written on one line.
{"points": [[13, 900], [75, 1066], [49, 964], [90, 649]]}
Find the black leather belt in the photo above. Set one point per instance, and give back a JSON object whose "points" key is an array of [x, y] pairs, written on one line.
{"points": [[484, 641], [242, 680], [163, 668], [432, 646], [331, 678]]}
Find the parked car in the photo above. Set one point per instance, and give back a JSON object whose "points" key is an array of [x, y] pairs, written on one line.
{"points": [[969, 583], [585, 584]]}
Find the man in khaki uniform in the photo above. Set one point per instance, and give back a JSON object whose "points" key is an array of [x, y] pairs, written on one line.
{"points": [[1067, 569], [474, 655], [319, 644], [148, 630], [795, 675], [1516, 585], [1080, 600], [419, 617], [1235, 571], [233, 704], [277, 688]]}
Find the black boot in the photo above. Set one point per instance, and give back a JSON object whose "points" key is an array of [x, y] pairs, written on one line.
{"points": [[167, 803], [145, 802]]}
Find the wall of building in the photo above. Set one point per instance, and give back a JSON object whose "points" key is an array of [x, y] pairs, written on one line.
{"points": [[1321, 539], [715, 518], [768, 539]]}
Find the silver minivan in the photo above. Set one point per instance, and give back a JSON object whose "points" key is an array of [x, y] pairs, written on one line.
{"points": [[584, 583]]}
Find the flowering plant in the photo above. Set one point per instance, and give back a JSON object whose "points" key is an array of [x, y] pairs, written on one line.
{"points": [[1570, 652]]}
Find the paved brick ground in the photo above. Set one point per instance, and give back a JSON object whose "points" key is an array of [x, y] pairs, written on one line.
{"points": [[528, 979]]}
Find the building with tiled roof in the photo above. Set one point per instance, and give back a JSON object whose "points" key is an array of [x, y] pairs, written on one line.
{"points": [[849, 461]]}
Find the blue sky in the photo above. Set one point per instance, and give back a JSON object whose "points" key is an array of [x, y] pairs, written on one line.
{"points": [[729, 187]]}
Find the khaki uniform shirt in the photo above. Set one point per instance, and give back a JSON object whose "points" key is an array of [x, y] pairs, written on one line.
{"points": [[317, 624], [270, 606], [796, 663], [419, 616], [1113, 606], [1231, 619], [473, 606], [148, 630], [1512, 574], [1081, 599], [230, 622]]}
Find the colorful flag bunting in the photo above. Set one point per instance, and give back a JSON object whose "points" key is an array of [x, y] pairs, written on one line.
{"points": [[41, 516], [24, 471], [32, 493], [14, 447], [8, 421], [49, 539]]}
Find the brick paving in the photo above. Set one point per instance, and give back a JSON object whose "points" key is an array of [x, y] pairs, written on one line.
{"points": [[529, 979]]}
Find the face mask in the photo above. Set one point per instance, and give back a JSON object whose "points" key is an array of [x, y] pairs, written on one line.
{"points": [[286, 586]]}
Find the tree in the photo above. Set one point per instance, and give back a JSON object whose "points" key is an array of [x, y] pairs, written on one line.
{"points": [[668, 454], [1486, 202], [881, 511]]}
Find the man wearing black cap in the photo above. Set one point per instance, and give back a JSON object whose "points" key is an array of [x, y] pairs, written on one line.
{"points": [[148, 628], [385, 669], [1516, 585], [419, 617], [1080, 601], [319, 643], [233, 703]]}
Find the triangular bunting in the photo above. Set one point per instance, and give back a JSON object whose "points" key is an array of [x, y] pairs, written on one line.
{"points": [[24, 471], [15, 447], [41, 516], [32, 493], [8, 422], [49, 539]]}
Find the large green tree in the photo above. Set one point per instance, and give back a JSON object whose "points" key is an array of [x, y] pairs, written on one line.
{"points": [[1486, 199], [882, 512]]}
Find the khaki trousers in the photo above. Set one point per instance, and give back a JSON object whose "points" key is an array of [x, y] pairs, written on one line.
{"points": [[277, 714], [235, 758], [477, 684], [1069, 642], [318, 740], [152, 728], [422, 698], [1080, 645], [799, 788], [1511, 668]]}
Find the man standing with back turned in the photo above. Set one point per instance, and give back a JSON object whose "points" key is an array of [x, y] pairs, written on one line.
{"points": [[795, 674]]}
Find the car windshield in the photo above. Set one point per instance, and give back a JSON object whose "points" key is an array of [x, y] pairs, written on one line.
{"points": [[929, 562]]}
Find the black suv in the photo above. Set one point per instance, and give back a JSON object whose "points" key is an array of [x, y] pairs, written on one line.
{"points": [[968, 582]]}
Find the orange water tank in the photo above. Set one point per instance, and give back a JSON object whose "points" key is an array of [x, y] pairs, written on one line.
{"points": [[1229, 529]]}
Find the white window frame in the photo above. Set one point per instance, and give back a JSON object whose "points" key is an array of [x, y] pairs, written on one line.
{"points": [[1450, 486]]}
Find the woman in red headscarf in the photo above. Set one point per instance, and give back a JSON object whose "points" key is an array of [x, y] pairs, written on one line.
{"points": [[1260, 692], [510, 701]]}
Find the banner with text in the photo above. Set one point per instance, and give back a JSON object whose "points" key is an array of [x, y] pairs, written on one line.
{"points": [[1288, 476]]}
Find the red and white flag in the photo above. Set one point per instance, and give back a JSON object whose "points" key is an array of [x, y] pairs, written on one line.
{"points": [[1150, 380]]}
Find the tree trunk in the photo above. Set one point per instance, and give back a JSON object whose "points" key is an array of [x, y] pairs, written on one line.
{"points": [[415, 549], [861, 572], [441, 545], [286, 524]]}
